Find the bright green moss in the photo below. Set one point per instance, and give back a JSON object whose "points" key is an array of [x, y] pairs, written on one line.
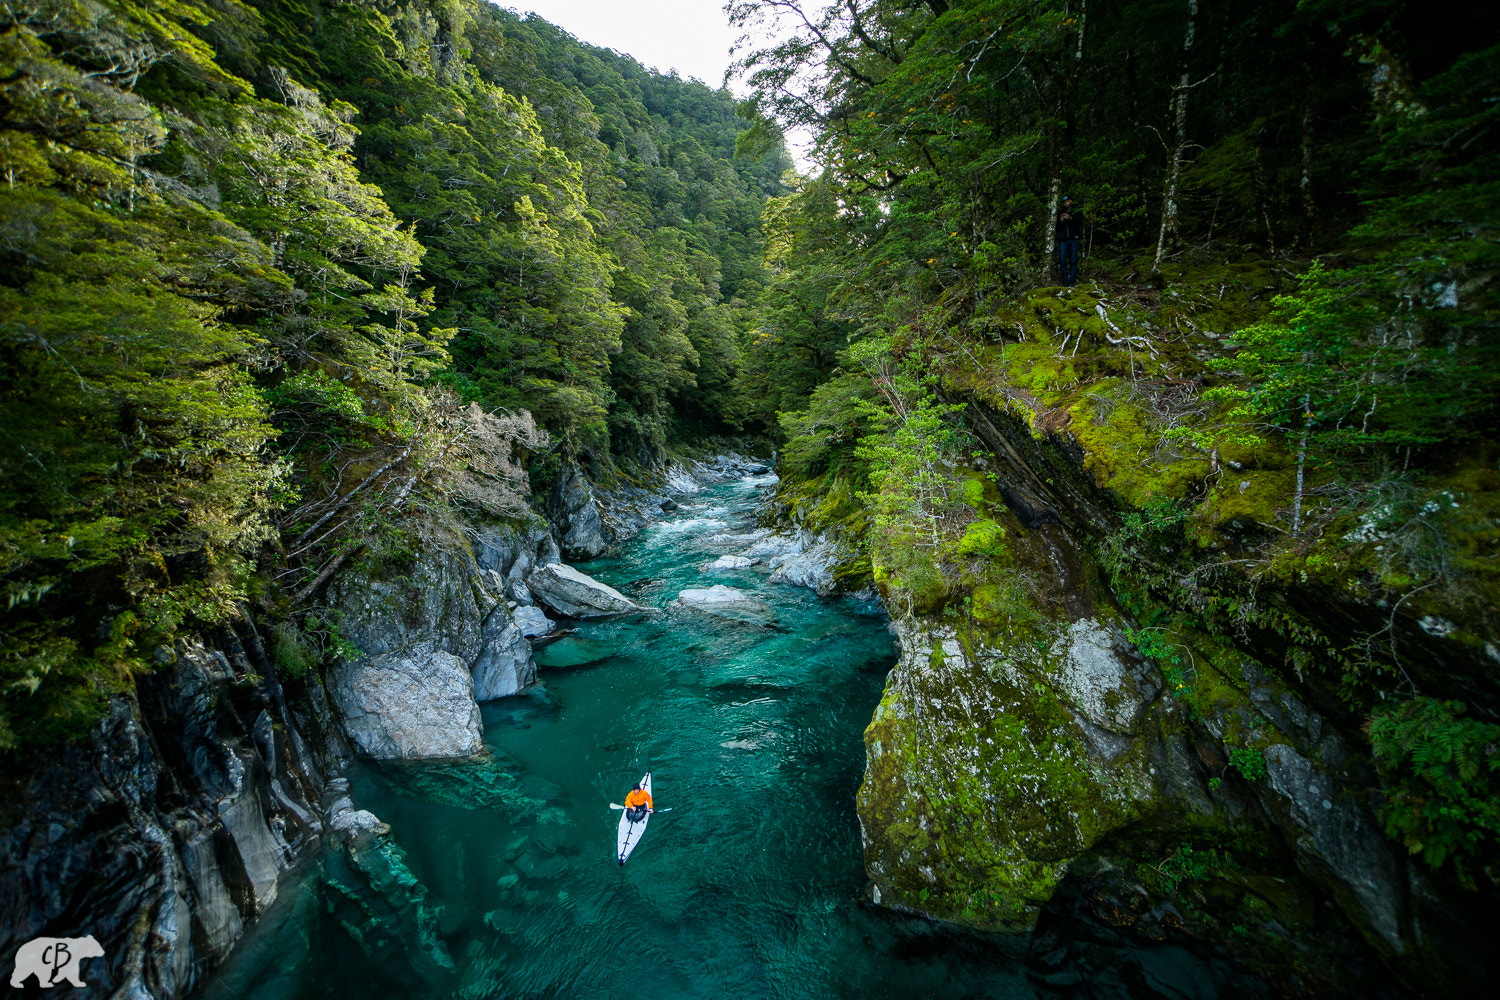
{"points": [[979, 787]]}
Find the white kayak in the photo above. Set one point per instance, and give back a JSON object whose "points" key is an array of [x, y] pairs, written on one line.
{"points": [[630, 832]]}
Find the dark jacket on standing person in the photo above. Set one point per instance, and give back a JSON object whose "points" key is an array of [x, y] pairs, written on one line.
{"points": [[1069, 223]]}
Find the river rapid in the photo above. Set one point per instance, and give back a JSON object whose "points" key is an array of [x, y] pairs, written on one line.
{"points": [[750, 886]]}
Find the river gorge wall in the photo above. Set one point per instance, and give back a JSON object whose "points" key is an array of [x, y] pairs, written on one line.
{"points": [[1044, 755]]}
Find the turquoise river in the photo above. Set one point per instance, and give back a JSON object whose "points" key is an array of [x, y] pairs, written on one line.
{"points": [[750, 886]]}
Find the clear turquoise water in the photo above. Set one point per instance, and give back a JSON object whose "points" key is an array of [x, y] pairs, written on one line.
{"points": [[749, 887]]}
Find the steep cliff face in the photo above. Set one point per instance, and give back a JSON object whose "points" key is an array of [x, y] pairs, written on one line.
{"points": [[1123, 693], [170, 830], [167, 834]]}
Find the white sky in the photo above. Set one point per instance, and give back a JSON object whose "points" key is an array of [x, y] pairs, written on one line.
{"points": [[692, 36]]}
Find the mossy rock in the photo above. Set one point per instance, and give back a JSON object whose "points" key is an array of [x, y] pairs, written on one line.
{"points": [[982, 785]]}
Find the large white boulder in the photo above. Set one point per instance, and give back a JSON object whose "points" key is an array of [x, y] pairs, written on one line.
{"points": [[577, 595], [411, 704]]}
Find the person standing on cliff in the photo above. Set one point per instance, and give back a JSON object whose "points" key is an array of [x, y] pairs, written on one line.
{"points": [[1069, 233]]}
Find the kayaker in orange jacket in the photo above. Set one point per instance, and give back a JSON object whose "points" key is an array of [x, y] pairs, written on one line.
{"points": [[636, 802]]}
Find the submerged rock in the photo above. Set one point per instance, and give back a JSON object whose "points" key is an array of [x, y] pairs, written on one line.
{"points": [[573, 651], [728, 562], [577, 595], [409, 704], [486, 782], [727, 602], [717, 594]]}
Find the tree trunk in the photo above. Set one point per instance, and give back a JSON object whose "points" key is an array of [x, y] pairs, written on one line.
{"points": [[1301, 465], [1054, 142], [1309, 207], [1179, 146]]}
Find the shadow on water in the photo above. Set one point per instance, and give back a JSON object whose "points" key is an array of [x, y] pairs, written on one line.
{"points": [[501, 881]]}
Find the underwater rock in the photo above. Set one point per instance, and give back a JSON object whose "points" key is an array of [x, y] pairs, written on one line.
{"points": [[484, 782], [727, 602], [409, 705], [739, 539], [577, 595], [717, 594], [573, 651], [728, 562]]}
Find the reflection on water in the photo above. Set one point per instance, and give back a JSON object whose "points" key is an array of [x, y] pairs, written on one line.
{"points": [[749, 887]]}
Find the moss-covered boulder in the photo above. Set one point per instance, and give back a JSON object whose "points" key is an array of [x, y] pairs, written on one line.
{"points": [[992, 767]]}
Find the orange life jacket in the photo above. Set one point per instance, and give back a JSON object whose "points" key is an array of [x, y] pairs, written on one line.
{"points": [[637, 797]]}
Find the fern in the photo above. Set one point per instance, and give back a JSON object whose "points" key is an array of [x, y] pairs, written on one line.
{"points": [[1444, 772]]}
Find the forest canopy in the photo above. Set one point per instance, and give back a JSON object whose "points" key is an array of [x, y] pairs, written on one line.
{"points": [[273, 271]]}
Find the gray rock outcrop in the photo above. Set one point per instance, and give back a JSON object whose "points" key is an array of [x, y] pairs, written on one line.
{"points": [[809, 565], [533, 622], [508, 554], [577, 514], [504, 665], [409, 705], [577, 595], [445, 605]]}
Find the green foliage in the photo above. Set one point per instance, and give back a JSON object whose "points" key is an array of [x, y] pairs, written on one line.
{"points": [[214, 331], [911, 446], [1183, 865], [1249, 761], [292, 655], [1296, 414], [1446, 774], [314, 388]]}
